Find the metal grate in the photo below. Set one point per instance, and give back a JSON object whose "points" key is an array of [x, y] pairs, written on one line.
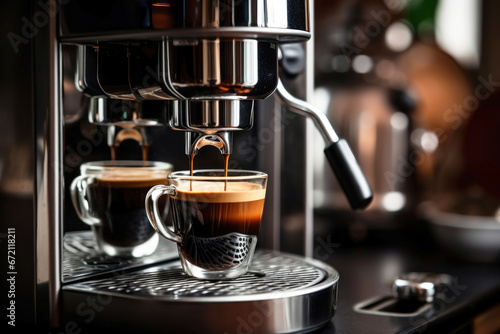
{"points": [[270, 273], [81, 258], [281, 293]]}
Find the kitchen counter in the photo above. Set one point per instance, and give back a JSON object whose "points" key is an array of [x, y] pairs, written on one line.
{"points": [[367, 271]]}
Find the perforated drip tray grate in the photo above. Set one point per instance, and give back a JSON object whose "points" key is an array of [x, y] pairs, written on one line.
{"points": [[269, 273], [281, 293], [82, 260]]}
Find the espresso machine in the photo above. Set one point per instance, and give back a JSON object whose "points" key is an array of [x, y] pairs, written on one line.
{"points": [[174, 77]]}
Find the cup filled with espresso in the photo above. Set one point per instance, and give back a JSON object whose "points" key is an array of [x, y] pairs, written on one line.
{"points": [[216, 217], [109, 196]]}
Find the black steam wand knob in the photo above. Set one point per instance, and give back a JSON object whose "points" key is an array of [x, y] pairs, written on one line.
{"points": [[345, 167]]}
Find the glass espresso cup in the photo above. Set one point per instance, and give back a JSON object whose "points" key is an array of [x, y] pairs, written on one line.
{"points": [[109, 196], [215, 219]]}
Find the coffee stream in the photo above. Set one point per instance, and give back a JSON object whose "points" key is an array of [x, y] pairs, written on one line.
{"points": [[226, 163], [145, 151], [191, 169]]}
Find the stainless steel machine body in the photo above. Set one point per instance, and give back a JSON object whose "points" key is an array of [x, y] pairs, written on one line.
{"points": [[143, 66]]}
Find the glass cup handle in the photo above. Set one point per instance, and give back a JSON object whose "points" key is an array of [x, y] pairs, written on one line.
{"points": [[152, 211], [78, 193]]}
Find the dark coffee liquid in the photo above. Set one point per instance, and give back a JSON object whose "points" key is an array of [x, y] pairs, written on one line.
{"points": [[218, 228], [226, 165], [118, 202]]}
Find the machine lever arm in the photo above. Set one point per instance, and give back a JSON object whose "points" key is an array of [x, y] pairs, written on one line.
{"points": [[338, 153]]}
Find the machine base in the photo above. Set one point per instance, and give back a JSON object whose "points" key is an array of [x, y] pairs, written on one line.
{"points": [[281, 293]]}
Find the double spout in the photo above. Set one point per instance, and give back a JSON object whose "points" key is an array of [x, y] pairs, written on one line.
{"points": [[210, 122], [221, 140]]}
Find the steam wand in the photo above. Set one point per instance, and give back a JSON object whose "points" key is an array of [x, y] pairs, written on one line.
{"points": [[337, 151]]}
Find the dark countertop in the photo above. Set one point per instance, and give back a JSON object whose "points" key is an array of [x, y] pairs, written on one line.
{"points": [[367, 269]]}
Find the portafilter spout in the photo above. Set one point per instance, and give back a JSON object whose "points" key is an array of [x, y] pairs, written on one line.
{"points": [[338, 153], [126, 119], [210, 122], [221, 140]]}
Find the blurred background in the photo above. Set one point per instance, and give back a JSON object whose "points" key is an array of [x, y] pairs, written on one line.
{"points": [[413, 86]]}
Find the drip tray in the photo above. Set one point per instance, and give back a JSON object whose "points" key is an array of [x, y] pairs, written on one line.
{"points": [[281, 293], [81, 260]]}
